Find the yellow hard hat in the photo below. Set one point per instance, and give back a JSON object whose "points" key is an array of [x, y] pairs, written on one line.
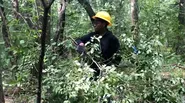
{"points": [[103, 15]]}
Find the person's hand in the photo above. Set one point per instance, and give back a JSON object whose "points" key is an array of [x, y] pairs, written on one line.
{"points": [[81, 44], [81, 48]]}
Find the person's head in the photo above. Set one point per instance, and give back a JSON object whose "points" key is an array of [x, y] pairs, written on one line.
{"points": [[101, 20]]}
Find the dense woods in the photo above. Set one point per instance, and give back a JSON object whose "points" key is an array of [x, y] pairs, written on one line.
{"points": [[39, 62]]}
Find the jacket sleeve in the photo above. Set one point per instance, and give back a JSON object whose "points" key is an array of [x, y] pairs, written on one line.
{"points": [[113, 46], [117, 58], [116, 45], [84, 39]]}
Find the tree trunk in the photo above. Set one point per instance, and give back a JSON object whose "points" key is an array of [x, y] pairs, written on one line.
{"points": [[134, 19], [6, 39], [4, 26], [181, 16], [1, 89], [40, 14], [88, 8], [61, 22], [40, 10], [43, 42], [6, 34], [179, 46], [15, 5]]}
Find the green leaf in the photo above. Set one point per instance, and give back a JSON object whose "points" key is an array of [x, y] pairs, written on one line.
{"points": [[1, 43], [22, 41]]}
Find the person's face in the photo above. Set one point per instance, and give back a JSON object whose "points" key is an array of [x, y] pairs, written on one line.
{"points": [[98, 25]]}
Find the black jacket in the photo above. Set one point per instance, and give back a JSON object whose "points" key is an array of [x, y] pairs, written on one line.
{"points": [[109, 44]]}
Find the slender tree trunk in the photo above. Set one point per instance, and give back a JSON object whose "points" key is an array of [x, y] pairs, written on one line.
{"points": [[48, 31], [61, 22], [6, 39], [39, 24], [42, 54], [1, 89], [15, 5], [179, 46], [88, 8], [4, 27], [181, 16], [43, 39], [40, 10], [6, 34], [134, 19]]}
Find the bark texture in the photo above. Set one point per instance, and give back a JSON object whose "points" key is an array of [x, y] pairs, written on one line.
{"points": [[180, 44], [15, 5], [40, 13], [1, 89], [181, 16], [61, 22], [88, 8], [134, 19], [46, 6], [6, 39]]}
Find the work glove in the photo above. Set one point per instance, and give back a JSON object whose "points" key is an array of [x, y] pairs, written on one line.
{"points": [[80, 49]]}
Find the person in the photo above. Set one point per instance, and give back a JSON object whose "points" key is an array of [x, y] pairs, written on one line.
{"points": [[109, 44]]}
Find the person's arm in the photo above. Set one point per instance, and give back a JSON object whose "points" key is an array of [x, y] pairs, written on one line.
{"points": [[81, 42], [113, 47], [84, 39]]}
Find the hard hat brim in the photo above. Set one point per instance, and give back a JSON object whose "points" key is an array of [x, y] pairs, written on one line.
{"points": [[110, 24]]}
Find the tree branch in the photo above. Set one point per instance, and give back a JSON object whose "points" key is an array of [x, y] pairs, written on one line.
{"points": [[50, 3], [47, 4], [26, 20], [88, 8]]}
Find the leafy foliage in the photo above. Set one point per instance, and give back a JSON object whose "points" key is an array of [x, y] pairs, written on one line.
{"points": [[66, 77]]}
